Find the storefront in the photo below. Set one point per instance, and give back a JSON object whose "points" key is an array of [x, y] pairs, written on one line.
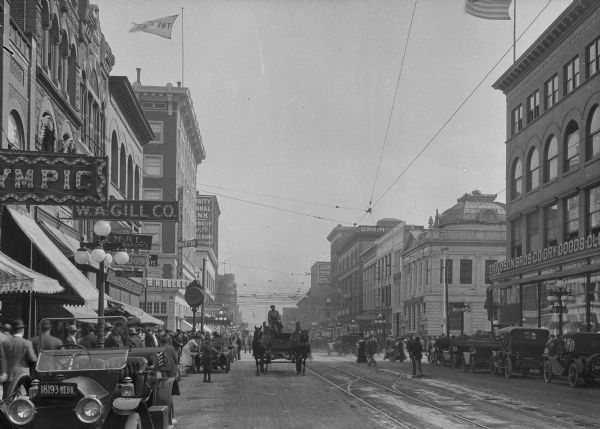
{"points": [[557, 287]]}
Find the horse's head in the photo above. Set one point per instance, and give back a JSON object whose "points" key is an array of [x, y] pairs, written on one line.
{"points": [[304, 336], [257, 331]]}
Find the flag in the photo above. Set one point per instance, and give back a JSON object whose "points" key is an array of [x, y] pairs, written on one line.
{"points": [[488, 9], [161, 26]]}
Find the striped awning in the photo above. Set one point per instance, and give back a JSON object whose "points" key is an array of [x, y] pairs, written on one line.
{"points": [[15, 277]]}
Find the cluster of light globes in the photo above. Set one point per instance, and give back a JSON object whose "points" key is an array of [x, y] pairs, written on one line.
{"points": [[98, 255]]}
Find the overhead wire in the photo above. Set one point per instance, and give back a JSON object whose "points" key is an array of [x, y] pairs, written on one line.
{"points": [[460, 106]]}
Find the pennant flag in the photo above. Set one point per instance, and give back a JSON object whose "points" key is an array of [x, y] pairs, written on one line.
{"points": [[488, 9], [161, 27]]}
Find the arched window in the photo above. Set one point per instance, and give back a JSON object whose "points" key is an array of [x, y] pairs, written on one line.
{"points": [[63, 58], [72, 75], [571, 147], [137, 183], [516, 179], [533, 170], [130, 178], [15, 136], [114, 160], [53, 51], [45, 35], [122, 171], [551, 159], [593, 133]]}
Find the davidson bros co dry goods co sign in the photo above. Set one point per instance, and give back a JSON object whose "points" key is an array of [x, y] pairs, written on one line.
{"points": [[52, 178]]}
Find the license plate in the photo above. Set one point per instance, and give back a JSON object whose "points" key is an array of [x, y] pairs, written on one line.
{"points": [[58, 390]]}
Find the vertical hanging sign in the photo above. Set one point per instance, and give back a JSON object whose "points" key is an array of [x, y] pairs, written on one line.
{"points": [[180, 236]]}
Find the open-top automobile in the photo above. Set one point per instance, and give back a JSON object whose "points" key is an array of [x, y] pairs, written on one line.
{"points": [[575, 355]]}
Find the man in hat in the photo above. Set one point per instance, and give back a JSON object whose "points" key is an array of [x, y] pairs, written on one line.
{"points": [[19, 355], [88, 339], [415, 351], [4, 332], [114, 339], [134, 339], [150, 339], [71, 335], [45, 341], [274, 319]]}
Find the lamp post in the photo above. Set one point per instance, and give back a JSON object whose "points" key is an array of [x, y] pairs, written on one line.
{"points": [[559, 297], [445, 270], [380, 322], [95, 252]]}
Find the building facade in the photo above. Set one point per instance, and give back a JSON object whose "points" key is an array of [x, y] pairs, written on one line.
{"points": [[207, 246], [451, 259], [551, 277], [321, 297]]}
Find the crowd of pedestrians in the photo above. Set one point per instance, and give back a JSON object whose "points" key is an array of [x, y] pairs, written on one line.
{"points": [[392, 349]]}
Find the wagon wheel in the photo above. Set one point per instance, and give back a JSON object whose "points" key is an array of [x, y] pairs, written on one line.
{"points": [[472, 364], [573, 375], [508, 367], [547, 371]]}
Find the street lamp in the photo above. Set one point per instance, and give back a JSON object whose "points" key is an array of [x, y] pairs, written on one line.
{"points": [[445, 270], [380, 323], [559, 298], [97, 254], [221, 320]]}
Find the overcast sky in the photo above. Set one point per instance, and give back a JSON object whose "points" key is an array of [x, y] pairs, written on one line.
{"points": [[298, 101]]}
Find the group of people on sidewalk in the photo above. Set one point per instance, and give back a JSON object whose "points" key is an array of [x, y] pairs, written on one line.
{"points": [[394, 349]]}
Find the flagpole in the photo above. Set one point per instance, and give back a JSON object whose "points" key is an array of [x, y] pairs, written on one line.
{"points": [[182, 52], [515, 31]]}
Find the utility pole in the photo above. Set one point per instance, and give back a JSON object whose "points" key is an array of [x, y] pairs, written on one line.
{"points": [[203, 287], [445, 269]]}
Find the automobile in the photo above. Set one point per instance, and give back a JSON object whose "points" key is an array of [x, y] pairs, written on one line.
{"points": [[116, 388], [345, 344], [575, 355], [520, 350]]}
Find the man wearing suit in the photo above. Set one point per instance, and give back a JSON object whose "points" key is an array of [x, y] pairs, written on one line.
{"points": [[19, 357], [150, 339], [71, 335], [45, 341]]}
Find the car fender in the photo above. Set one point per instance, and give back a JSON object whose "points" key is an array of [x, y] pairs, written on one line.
{"points": [[126, 406]]}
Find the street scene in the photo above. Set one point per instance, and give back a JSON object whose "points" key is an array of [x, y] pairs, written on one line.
{"points": [[300, 214]]}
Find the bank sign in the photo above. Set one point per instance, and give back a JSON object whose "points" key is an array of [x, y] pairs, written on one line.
{"points": [[29, 177], [140, 210], [548, 253]]}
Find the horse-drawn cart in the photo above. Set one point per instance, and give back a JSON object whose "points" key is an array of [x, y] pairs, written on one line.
{"points": [[224, 356], [480, 349]]}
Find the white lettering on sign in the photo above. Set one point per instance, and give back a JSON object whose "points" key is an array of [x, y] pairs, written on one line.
{"points": [[27, 180]]}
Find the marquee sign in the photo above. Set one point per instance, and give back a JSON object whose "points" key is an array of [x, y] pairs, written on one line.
{"points": [[128, 241], [140, 210], [29, 177]]}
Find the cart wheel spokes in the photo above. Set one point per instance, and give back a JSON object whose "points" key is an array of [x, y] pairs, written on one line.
{"points": [[573, 376], [508, 367], [547, 372]]}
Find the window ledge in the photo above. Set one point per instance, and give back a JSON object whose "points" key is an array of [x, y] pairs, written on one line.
{"points": [[594, 159], [571, 171]]}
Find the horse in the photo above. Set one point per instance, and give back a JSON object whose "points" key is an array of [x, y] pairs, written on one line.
{"points": [[259, 351], [302, 352]]}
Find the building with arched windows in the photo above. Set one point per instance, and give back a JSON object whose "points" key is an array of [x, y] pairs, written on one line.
{"points": [[551, 277]]}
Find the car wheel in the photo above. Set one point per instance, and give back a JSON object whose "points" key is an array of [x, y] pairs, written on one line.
{"points": [[133, 422], [547, 372], [573, 376], [508, 367]]}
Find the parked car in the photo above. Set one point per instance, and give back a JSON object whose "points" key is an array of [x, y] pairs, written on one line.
{"points": [[575, 355], [116, 388], [520, 350]]}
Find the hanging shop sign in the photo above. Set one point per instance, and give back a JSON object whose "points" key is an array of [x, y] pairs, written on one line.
{"points": [[124, 283], [570, 247], [148, 211], [128, 241], [29, 177]]}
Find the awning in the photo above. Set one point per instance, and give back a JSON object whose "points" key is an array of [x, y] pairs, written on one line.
{"points": [[67, 244], [141, 315], [81, 311], [15, 277], [70, 274], [185, 325]]}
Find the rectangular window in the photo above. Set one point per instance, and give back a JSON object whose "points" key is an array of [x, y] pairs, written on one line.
{"points": [[153, 194], [155, 230], [594, 210], [532, 231], [571, 75], [448, 271], [592, 59], [157, 129], [551, 225], [153, 165], [551, 91], [516, 238], [466, 271], [533, 106], [163, 308], [572, 217], [156, 307], [488, 264], [517, 119]]}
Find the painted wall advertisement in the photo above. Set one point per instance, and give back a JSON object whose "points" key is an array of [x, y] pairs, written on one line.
{"points": [[207, 222]]}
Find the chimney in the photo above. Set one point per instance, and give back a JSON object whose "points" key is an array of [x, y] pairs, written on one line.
{"points": [[178, 84], [139, 72]]}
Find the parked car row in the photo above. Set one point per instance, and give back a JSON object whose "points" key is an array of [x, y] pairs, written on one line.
{"points": [[520, 350]]}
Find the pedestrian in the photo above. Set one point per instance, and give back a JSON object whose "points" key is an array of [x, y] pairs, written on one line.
{"points": [[361, 350], [150, 339], [114, 339], [189, 355], [415, 350], [88, 339], [134, 340], [238, 343], [178, 343], [19, 356], [45, 341], [71, 335], [208, 353], [372, 350]]}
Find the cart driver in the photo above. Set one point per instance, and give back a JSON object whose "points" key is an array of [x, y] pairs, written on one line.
{"points": [[274, 319]]}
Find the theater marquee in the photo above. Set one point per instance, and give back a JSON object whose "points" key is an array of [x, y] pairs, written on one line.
{"points": [[28, 177]]}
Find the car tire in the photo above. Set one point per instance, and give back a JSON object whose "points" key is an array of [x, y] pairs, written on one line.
{"points": [[508, 367], [547, 372], [133, 422], [573, 376]]}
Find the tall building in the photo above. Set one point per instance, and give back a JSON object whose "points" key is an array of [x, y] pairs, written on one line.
{"points": [[551, 277], [321, 297], [451, 258]]}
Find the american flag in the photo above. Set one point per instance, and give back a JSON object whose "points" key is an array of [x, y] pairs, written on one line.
{"points": [[488, 9]]}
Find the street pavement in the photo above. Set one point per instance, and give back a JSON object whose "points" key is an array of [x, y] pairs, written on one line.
{"points": [[278, 399]]}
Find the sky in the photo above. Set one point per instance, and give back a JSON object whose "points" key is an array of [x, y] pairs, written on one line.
{"points": [[313, 111]]}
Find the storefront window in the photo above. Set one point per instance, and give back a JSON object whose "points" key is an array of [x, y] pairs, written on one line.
{"points": [[573, 311], [530, 305], [594, 289]]}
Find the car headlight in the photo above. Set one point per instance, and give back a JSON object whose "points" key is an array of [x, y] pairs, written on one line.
{"points": [[21, 411], [89, 410]]}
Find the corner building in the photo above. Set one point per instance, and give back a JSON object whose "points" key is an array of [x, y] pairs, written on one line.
{"points": [[553, 178]]}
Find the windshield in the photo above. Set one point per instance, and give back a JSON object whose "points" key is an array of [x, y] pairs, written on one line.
{"points": [[529, 336], [586, 343], [81, 359]]}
